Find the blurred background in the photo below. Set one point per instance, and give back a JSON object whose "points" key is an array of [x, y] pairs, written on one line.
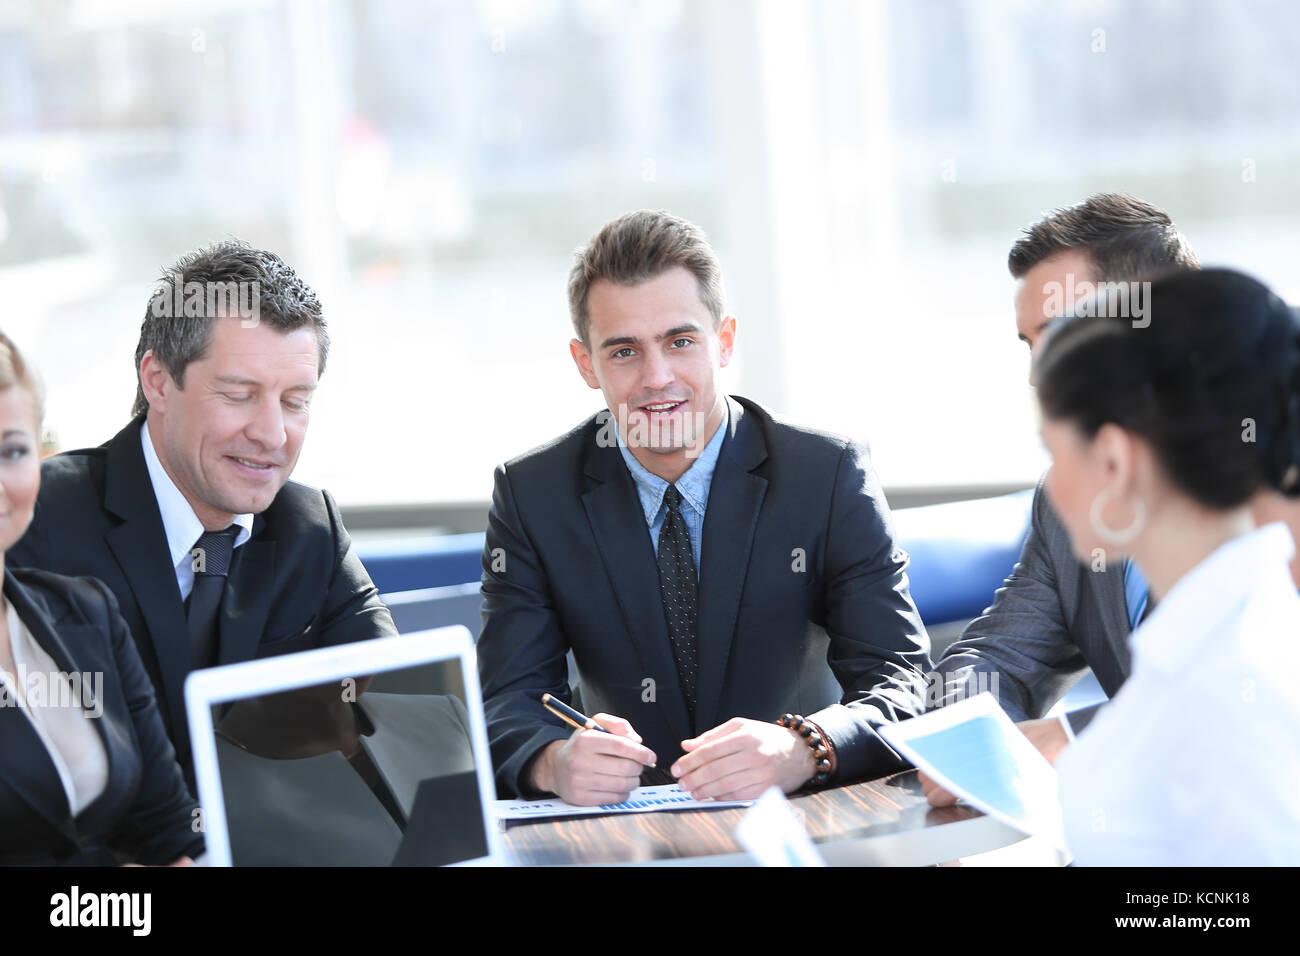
{"points": [[861, 167]]}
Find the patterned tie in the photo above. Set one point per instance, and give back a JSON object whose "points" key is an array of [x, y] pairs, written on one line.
{"points": [[211, 560], [680, 593]]}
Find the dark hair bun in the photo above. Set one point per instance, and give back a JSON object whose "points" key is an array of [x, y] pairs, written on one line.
{"points": [[1282, 453], [1209, 377]]}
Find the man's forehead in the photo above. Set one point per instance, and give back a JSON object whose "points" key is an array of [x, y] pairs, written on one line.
{"points": [[675, 288], [1047, 280], [233, 336], [236, 353], [1057, 268]]}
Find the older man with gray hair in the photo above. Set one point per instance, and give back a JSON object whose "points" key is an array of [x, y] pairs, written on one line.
{"points": [[188, 513]]}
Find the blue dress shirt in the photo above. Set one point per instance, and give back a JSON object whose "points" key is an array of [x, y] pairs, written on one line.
{"points": [[693, 485], [1136, 593]]}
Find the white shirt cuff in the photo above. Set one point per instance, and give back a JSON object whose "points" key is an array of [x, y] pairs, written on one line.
{"points": [[1065, 723]]}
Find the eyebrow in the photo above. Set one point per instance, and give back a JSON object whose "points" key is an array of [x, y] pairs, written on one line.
{"points": [[240, 380], [633, 340], [15, 432]]}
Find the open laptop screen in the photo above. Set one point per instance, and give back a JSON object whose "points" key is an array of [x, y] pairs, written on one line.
{"points": [[362, 768]]}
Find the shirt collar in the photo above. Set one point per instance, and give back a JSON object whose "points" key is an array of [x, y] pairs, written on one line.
{"points": [[694, 482], [181, 525], [1194, 609]]}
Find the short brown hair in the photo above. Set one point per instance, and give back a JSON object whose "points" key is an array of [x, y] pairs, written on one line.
{"points": [[637, 247], [14, 370], [1123, 236]]}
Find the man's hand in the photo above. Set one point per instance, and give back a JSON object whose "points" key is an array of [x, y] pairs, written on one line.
{"points": [[1047, 736], [935, 794], [590, 768], [740, 759]]}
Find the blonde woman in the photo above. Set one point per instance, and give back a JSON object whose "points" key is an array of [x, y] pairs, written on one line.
{"points": [[87, 774]]}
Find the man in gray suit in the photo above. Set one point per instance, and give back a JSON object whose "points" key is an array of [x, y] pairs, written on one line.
{"points": [[1054, 618]]}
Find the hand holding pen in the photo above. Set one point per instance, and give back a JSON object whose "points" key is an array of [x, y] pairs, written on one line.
{"points": [[601, 762]]}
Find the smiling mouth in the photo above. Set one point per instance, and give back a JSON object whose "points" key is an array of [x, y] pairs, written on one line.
{"points": [[660, 408], [260, 466]]}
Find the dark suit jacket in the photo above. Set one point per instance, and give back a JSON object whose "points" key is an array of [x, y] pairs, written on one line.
{"points": [[145, 813], [796, 531], [295, 585], [1050, 621]]}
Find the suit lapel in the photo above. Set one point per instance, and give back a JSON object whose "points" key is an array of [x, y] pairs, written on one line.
{"points": [[730, 519], [31, 771], [140, 546], [619, 527], [247, 601], [1106, 590]]}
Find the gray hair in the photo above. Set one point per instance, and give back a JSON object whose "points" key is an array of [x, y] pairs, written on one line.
{"points": [[178, 320]]}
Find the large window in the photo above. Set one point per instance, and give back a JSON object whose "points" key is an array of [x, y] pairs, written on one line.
{"points": [[861, 167]]}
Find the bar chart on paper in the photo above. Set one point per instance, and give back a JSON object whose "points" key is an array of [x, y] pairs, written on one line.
{"points": [[641, 800]]}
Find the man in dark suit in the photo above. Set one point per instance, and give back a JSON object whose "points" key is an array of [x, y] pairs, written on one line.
{"points": [[1055, 618], [188, 514], [683, 545]]}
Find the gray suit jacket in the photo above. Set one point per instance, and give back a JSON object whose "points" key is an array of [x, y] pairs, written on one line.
{"points": [[1051, 620]]}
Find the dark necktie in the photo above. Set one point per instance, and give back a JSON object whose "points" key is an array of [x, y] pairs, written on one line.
{"points": [[681, 598], [211, 561]]}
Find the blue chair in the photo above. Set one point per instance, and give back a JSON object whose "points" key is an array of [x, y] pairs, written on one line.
{"points": [[961, 552], [416, 564]]}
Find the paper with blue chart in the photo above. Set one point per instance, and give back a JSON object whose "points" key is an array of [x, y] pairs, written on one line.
{"points": [[642, 800], [973, 750]]}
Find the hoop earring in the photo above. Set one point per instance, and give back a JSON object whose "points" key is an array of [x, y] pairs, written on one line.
{"points": [[1109, 534]]}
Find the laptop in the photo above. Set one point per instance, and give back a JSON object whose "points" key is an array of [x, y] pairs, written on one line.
{"points": [[366, 754]]}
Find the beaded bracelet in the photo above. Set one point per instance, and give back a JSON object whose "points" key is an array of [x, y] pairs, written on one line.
{"points": [[823, 750]]}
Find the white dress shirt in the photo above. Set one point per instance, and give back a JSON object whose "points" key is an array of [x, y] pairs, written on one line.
{"points": [[181, 524], [48, 698], [1196, 761]]}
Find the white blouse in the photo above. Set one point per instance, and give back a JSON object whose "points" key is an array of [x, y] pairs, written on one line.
{"points": [[53, 703], [1196, 761]]}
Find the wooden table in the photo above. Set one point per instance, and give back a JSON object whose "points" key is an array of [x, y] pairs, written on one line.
{"points": [[884, 822]]}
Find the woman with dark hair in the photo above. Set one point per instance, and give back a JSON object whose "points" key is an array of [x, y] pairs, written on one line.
{"points": [[1161, 434], [87, 774]]}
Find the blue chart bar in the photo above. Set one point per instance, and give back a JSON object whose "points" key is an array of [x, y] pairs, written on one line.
{"points": [[648, 802]]}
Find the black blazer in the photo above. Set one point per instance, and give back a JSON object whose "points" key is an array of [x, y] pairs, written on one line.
{"points": [[145, 813], [295, 585], [796, 532]]}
